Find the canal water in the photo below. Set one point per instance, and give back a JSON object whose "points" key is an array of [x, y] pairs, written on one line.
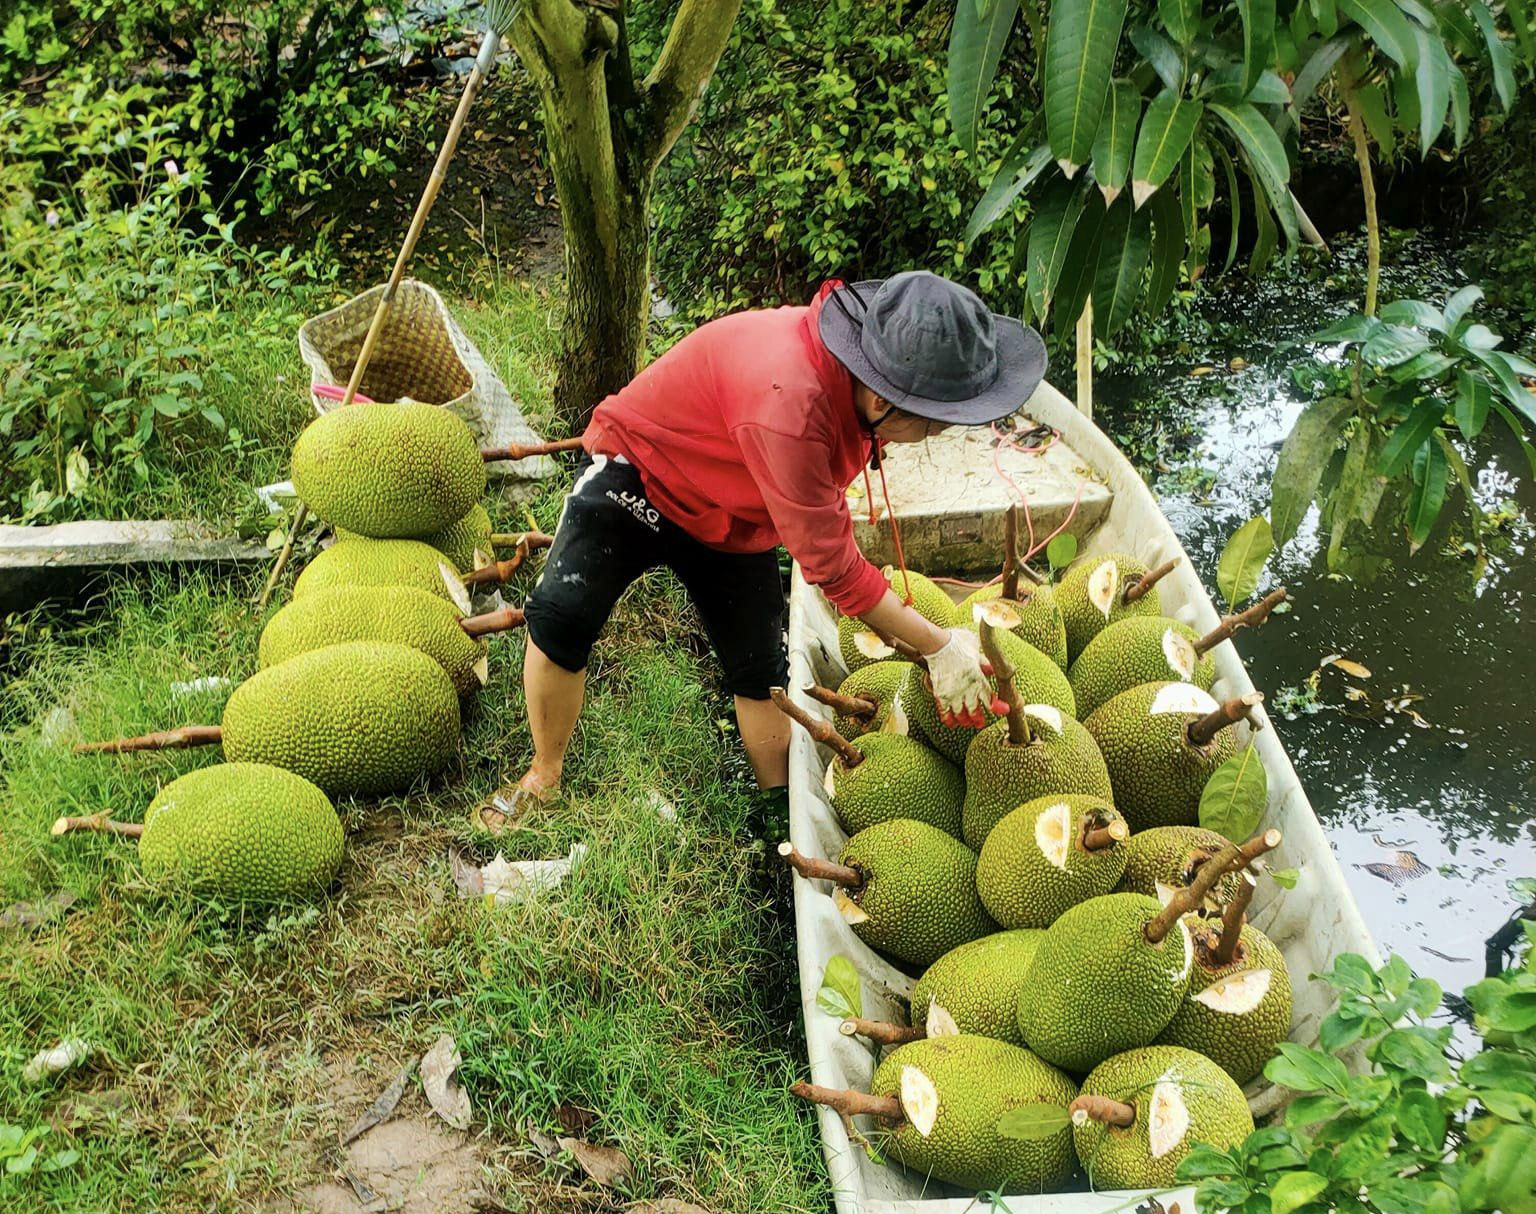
{"points": [[1424, 771]]}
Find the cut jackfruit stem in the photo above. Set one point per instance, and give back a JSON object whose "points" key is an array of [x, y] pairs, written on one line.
{"points": [[517, 539], [850, 1103], [100, 823], [1240, 708], [504, 620], [1138, 588], [813, 869], [819, 730], [529, 450], [1229, 859], [1097, 838], [1232, 922], [881, 1032], [497, 572], [1102, 1109], [844, 706], [1019, 733], [1011, 554], [171, 739], [1252, 618]]}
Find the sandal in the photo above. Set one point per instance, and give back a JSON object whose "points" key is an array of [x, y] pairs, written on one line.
{"points": [[505, 808]]}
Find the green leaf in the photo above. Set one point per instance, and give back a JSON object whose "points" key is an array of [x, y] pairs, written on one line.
{"points": [[1167, 250], [1409, 436], [1511, 1106], [1504, 1174], [1061, 551], [1372, 101], [1303, 455], [1285, 878], [840, 994], [1258, 39], [1514, 1012], [1234, 205], [1499, 58], [1242, 561], [1017, 173], [1520, 19], [975, 45], [1318, 67], [1431, 476], [1309, 1110], [1161, 54], [1266, 153], [1181, 18], [1432, 77], [1033, 1122], [1205, 1161], [1414, 312], [1165, 134], [1050, 238], [1459, 304], [1125, 243], [1081, 265], [1116, 138], [1235, 796], [1268, 238], [1294, 1190], [1079, 60], [1306, 1070], [1388, 28], [1461, 107], [1473, 396], [1392, 344]]}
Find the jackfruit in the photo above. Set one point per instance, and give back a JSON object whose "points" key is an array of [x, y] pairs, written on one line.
{"points": [[1137, 650], [1098, 986], [1177, 1098], [1235, 1014], [1156, 770], [1092, 596], [242, 831], [918, 895], [1048, 855], [360, 562], [879, 683], [460, 541], [1164, 858], [860, 645], [979, 984], [899, 777], [355, 718], [1039, 621], [388, 470], [957, 1089], [376, 613], [1059, 758]]}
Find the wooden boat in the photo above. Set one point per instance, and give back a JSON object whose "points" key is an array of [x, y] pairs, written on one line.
{"points": [[1312, 923]]}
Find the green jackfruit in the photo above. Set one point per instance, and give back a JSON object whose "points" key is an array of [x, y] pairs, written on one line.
{"points": [[243, 831], [387, 470], [1136, 650], [1092, 596], [959, 1088], [1097, 985], [860, 646], [1157, 773], [979, 984], [1179, 1099], [1034, 865], [918, 899], [1161, 860], [1235, 1014], [879, 683], [1061, 757], [899, 778], [458, 541], [356, 718], [1040, 621], [361, 562], [376, 613]]}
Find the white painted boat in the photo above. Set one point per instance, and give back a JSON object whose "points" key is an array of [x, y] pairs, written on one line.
{"points": [[1312, 923]]}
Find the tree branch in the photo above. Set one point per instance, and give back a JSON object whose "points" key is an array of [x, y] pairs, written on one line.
{"points": [[694, 45]]}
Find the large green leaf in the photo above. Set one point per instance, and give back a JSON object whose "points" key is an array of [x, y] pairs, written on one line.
{"points": [[1167, 249], [1234, 205], [1431, 474], [1461, 107], [1242, 560], [1079, 60], [1473, 396], [1303, 455], [1268, 238], [1372, 100], [1160, 54], [975, 45], [1082, 262], [1388, 28], [1459, 304], [1020, 167], [1518, 431], [1499, 58], [1266, 153], [1432, 77], [1411, 434], [1258, 39], [1050, 237], [1116, 138], [1181, 18], [1520, 20], [1125, 243], [1235, 796], [1318, 67], [1165, 133]]}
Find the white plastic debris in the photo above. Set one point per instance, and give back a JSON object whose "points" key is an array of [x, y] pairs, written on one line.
{"points": [[505, 881], [68, 1053], [192, 687], [277, 498]]}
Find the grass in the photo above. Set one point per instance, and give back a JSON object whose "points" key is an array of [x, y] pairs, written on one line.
{"points": [[656, 990]]}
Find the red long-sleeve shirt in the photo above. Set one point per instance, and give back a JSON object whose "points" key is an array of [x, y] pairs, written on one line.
{"points": [[745, 435]]}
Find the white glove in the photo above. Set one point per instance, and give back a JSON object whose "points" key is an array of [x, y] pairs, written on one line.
{"points": [[960, 688]]}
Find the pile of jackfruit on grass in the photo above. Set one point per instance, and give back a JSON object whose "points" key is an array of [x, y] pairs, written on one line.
{"points": [[359, 676], [1089, 995]]}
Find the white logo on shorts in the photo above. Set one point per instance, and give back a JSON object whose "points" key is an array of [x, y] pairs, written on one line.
{"points": [[639, 507]]}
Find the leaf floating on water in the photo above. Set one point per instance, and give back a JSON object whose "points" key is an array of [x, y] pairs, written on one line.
{"points": [[1347, 665], [608, 1166], [1403, 868]]}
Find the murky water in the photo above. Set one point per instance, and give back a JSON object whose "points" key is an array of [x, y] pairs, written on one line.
{"points": [[1450, 776]]}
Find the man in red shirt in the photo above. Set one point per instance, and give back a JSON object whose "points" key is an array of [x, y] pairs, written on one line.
{"points": [[744, 436]]}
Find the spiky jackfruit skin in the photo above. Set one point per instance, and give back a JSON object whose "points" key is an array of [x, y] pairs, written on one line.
{"points": [[1117, 1158], [1129, 653], [919, 890], [387, 470], [979, 984], [1083, 620], [1156, 773], [928, 598], [375, 613], [879, 683], [1170, 856], [242, 831], [999, 776], [458, 541], [356, 718], [1240, 1042], [365, 562], [860, 646], [1098, 986], [1022, 886], [978, 1080], [899, 778], [1040, 621]]}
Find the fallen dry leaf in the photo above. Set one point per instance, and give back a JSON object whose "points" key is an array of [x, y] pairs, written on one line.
{"points": [[1347, 665], [547, 1145], [35, 914], [608, 1166], [439, 1070], [574, 1119], [383, 1107]]}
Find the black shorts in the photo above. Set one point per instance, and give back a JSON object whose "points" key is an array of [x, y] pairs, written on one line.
{"points": [[609, 535]]}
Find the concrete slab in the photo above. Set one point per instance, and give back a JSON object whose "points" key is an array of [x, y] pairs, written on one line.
{"points": [[38, 563], [951, 499]]}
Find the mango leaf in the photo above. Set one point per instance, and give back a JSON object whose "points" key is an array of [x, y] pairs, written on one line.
{"points": [[1079, 60], [1160, 54], [1432, 78], [1520, 19], [1372, 100], [1303, 455], [1082, 261], [1388, 28], [1268, 238], [1410, 435], [840, 994], [1117, 135], [1459, 304], [1499, 58], [1294, 1190], [1234, 204], [1266, 153], [1050, 238], [1393, 344], [1061, 551], [1318, 67], [1235, 796], [1258, 39], [1414, 312], [1431, 475], [1033, 1122], [1473, 396], [1019, 170], [1242, 560], [975, 45], [1349, 329], [1461, 107], [1167, 250], [1165, 134], [1181, 18], [1125, 243]]}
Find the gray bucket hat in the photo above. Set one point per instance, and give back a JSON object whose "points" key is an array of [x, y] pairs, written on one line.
{"points": [[931, 347]]}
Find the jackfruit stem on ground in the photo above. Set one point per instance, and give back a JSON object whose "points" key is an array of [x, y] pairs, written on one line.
{"points": [[1232, 916], [1097, 838], [529, 450], [1103, 1110], [1002, 671], [99, 823], [532, 540], [172, 739], [1147, 580], [844, 706], [850, 1103], [1252, 618], [850, 755], [1229, 859], [813, 869], [881, 1032], [1240, 708], [504, 620]]}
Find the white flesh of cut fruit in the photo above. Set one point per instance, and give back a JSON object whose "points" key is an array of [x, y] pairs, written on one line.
{"points": [[482, 670], [1182, 697], [1189, 950], [939, 1022], [1179, 653], [919, 1100], [1168, 1120], [1236, 995], [1103, 583], [896, 720], [871, 646], [997, 613], [1053, 833], [1046, 714], [850, 910], [455, 588]]}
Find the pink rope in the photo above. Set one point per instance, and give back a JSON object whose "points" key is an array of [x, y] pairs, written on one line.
{"points": [[1011, 443]]}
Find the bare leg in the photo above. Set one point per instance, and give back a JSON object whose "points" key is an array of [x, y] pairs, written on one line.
{"points": [[765, 736], [554, 696]]}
